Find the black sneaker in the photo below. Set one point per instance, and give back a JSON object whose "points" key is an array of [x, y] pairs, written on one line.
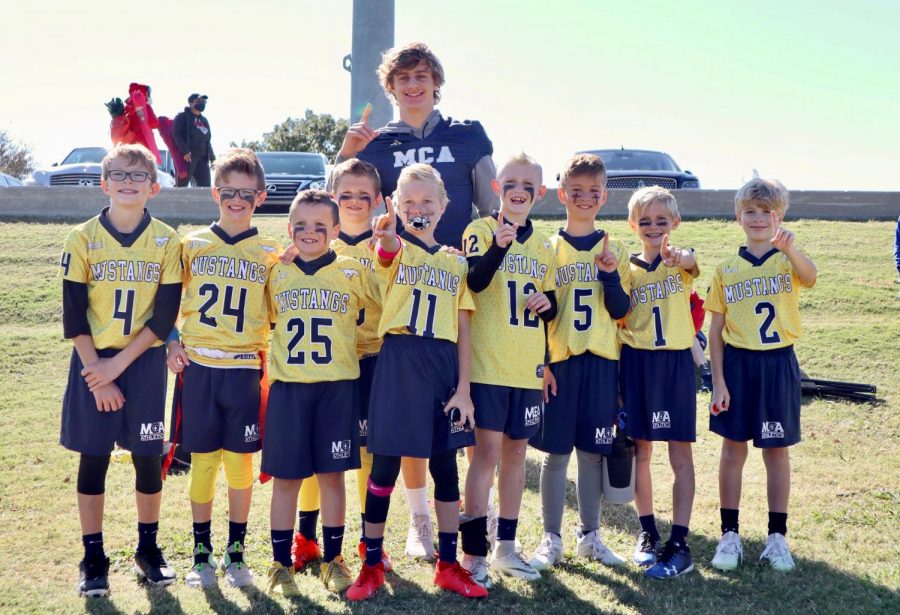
{"points": [[93, 579], [151, 567], [646, 550]]}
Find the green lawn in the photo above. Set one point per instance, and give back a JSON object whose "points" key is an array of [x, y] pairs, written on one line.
{"points": [[843, 525]]}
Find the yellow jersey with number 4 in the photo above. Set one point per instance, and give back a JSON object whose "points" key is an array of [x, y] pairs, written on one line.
{"points": [[361, 248]]}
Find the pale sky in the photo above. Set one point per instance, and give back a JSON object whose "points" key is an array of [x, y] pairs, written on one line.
{"points": [[804, 91]]}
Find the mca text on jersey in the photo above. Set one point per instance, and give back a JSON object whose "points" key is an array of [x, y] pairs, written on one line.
{"points": [[312, 299], [523, 265], [657, 291], [758, 287], [227, 267], [576, 272], [429, 276], [125, 271], [422, 154]]}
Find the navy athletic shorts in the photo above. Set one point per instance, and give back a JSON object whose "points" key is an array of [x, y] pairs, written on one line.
{"points": [[764, 386], [137, 427], [414, 379], [514, 411], [310, 428], [583, 411], [659, 394], [366, 377]]}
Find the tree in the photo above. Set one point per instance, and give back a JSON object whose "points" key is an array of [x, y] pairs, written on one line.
{"points": [[15, 158], [313, 132]]}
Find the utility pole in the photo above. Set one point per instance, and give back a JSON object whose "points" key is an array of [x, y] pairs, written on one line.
{"points": [[373, 33]]}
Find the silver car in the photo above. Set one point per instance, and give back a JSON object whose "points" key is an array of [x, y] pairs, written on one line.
{"points": [[82, 168], [7, 181]]}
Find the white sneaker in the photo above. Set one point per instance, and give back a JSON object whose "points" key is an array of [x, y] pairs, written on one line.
{"points": [[420, 538], [202, 574], [589, 545], [549, 552], [777, 553], [237, 574], [479, 568], [493, 520], [508, 560], [729, 553]]}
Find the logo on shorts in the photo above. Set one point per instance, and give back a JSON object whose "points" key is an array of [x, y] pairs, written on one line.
{"points": [[603, 435], [340, 449], [532, 416], [363, 428], [661, 420], [251, 433], [454, 428], [152, 431], [539, 371], [772, 429]]}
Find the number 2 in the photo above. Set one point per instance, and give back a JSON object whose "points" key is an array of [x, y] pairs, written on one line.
{"points": [[764, 336], [316, 336], [529, 319]]}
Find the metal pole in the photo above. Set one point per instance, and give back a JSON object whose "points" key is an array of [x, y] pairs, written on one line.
{"points": [[373, 33]]}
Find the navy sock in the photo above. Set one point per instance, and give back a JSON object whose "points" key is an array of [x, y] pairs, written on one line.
{"points": [[729, 520], [308, 521], [281, 546], [362, 527], [679, 535], [202, 536], [506, 528], [778, 523], [373, 550], [447, 547], [474, 536], [334, 541], [147, 535], [93, 545], [237, 532], [648, 524]]}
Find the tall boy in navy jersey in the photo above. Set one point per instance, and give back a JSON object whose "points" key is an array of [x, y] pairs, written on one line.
{"points": [[754, 301], [656, 374], [121, 289]]}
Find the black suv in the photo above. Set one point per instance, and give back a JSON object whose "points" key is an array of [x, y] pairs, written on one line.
{"points": [[630, 169], [288, 173]]}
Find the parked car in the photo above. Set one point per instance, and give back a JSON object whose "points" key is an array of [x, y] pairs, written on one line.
{"points": [[631, 169], [82, 168], [288, 173], [7, 181]]}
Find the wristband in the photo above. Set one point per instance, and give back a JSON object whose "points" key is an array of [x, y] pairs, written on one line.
{"points": [[385, 255]]}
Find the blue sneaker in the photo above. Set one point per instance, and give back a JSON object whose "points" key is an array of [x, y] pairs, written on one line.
{"points": [[674, 561]]}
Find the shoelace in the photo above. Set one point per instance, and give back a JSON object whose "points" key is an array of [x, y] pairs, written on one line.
{"points": [[647, 545], [154, 557], [423, 529], [546, 547], [95, 567], [597, 547], [667, 553], [729, 546], [775, 549]]}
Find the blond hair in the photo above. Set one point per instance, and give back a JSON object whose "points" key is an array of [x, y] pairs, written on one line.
{"points": [[523, 159], [768, 194], [421, 172], [643, 198], [239, 160], [408, 57], [134, 154]]}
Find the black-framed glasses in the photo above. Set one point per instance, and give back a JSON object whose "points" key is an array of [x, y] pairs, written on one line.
{"points": [[135, 176], [245, 194]]}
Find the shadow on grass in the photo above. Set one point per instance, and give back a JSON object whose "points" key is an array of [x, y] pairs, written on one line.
{"points": [[162, 601]]}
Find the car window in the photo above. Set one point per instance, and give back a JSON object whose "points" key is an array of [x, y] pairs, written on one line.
{"points": [[83, 155], [281, 164], [629, 160], [12, 181]]}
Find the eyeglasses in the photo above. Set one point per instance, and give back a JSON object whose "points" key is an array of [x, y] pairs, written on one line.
{"points": [[135, 176], [245, 194]]}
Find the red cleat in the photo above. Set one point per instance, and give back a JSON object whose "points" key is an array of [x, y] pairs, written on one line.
{"points": [[455, 578], [385, 558], [367, 583], [304, 551]]}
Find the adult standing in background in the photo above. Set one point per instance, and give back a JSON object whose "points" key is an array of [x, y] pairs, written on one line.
{"points": [[194, 139]]}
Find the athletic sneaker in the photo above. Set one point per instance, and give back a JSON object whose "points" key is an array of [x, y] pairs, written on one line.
{"points": [[479, 568], [367, 583], [281, 579], [455, 578], [336, 575], [237, 574], [729, 553], [590, 546], [202, 574], [777, 553], [420, 538], [507, 560], [151, 567], [93, 577], [674, 560], [645, 550], [549, 552], [304, 551], [385, 558]]}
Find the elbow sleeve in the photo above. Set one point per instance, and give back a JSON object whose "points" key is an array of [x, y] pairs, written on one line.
{"points": [[165, 310], [483, 268], [615, 299], [75, 307]]}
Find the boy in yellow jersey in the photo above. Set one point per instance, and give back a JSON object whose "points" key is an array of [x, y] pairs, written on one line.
{"points": [[656, 374], [754, 301], [121, 275], [311, 425], [224, 333], [356, 187], [420, 404], [511, 275], [580, 384]]}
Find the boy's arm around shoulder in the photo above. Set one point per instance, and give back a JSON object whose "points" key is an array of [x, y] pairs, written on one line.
{"points": [[483, 253]]}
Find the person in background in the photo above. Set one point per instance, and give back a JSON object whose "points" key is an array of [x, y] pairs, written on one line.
{"points": [[194, 139]]}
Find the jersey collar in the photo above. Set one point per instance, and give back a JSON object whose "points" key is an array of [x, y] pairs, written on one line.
{"points": [[311, 267], [523, 233], [221, 234], [582, 243], [352, 241], [637, 260], [410, 238], [756, 262], [125, 240]]}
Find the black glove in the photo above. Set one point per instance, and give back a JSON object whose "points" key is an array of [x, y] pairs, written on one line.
{"points": [[115, 107]]}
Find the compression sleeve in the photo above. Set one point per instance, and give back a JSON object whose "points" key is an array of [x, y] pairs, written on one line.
{"points": [[165, 310], [75, 307], [615, 299]]}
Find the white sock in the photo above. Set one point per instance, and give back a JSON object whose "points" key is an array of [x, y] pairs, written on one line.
{"points": [[417, 500]]}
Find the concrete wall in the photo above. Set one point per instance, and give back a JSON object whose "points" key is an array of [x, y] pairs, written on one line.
{"points": [[177, 205]]}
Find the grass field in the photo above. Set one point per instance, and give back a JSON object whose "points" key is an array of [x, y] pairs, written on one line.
{"points": [[843, 528]]}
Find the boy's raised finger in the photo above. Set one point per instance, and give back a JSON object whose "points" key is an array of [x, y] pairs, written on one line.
{"points": [[364, 118]]}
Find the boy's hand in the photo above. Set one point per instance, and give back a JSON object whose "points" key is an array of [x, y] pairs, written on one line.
{"points": [[606, 260], [720, 399], [290, 253], [549, 384], [455, 251], [359, 135], [463, 401], [101, 373], [109, 398], [385, 225], [537, 303], [176, 357], [783, 239], [505, 233], [671, 257]]}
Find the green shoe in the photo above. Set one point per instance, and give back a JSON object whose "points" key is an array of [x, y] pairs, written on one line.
{"points": [[237, 574]]}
